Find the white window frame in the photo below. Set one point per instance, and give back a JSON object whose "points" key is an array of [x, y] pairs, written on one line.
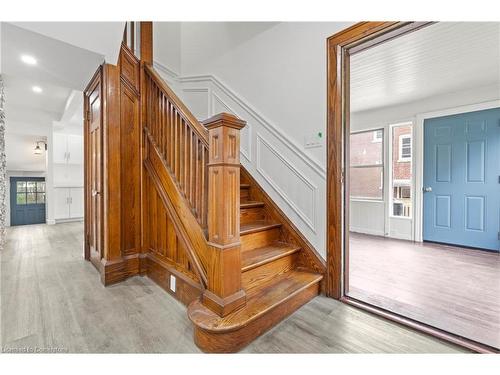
{"points": [[382, 165], [391, 181], [400, 146]]}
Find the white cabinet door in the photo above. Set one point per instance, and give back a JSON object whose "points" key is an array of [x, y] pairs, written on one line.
{"points": [[75, 149], [60, 148], [76, 199], [61, 203]]}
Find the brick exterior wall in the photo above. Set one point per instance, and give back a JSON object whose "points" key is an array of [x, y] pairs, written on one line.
{"points": [[400, 170]]}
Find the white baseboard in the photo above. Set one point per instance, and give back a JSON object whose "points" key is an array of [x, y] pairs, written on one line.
{"points": [[61, 221], [367, 231]]}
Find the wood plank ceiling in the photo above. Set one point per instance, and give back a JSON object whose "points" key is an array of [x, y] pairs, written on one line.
{"points": [[442, 58]]}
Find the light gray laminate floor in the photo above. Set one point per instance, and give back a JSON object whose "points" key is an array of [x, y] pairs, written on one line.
{"points": [[52, 298]]}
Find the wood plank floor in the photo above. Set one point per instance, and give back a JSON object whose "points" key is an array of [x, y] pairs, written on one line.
{"points": [[452, 288], [52, 298]]}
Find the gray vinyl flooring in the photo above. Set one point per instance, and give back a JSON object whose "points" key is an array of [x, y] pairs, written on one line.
{"points": [[52, 301]]}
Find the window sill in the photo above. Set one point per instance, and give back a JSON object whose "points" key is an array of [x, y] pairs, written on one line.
{"points": [[400, 217]]}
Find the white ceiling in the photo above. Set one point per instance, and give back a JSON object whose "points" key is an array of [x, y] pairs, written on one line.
{"points": [[61, 71], [61, 68], [103, 38], [442, 58]]}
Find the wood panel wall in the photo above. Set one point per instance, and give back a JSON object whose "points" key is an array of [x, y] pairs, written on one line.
{"points": [[131, 247], [162, 238]]}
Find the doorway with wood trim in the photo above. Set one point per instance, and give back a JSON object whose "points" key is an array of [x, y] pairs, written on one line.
{"points": [[354, 256]]}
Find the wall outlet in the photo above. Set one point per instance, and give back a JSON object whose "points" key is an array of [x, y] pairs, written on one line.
{"points": [[314, 140], [172, 283]]}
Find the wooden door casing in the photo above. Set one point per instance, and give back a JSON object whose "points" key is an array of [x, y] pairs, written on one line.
{"points": [[93, 170], [340, 46]]}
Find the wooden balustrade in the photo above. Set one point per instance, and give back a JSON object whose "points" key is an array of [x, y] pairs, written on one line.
{"points": [[181, 140], [203, 160]]}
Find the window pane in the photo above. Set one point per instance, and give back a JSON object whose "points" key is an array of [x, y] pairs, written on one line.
{"points": [[401, 170], [21, 186], [31, 198], [21, 198], [367, 182], [31, 186], [365, 150], [40, 186], [40, 198]]}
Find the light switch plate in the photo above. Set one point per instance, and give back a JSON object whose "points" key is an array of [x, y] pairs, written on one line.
{"points": [[172, 283], [314, 140]]}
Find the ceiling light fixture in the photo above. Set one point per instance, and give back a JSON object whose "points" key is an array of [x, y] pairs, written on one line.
{"points": [[37, 89], [27, 59]]}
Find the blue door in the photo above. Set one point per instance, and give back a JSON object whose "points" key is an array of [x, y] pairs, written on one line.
{"points": [[462, 179], [27, 200]]}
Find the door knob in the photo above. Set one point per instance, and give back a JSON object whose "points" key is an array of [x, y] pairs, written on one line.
{"points": [[427, 189]]}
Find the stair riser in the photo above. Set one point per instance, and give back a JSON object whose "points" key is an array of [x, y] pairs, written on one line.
{"points": [[244, 193], [234, 341], [257, 275], [259, 239], [248, 215]]}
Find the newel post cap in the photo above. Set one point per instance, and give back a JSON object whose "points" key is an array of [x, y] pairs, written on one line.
{"points": [[224, 119]]}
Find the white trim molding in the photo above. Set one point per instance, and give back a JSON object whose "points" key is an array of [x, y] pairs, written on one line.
{"points": [[308, 219], [274, 129], [294, 180]]}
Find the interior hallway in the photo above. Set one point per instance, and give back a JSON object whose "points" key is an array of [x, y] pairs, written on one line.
{"points": [[449, 287], [52, 298]]}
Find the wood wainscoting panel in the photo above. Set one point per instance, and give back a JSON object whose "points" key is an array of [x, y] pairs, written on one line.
{"points": [[130, 174], [164, 243], [166, 253]]}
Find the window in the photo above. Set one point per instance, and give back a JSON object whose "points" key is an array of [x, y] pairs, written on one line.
{"points": [[401, 171], [366, 165], [405, 147], [30, 192], [378, 135]]}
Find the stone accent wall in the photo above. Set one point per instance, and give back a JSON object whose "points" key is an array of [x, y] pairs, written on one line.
{"points": [[3, 167]]}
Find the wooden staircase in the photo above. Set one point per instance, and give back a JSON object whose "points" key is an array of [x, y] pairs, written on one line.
{"points": [[188, 215], [274, 277]]}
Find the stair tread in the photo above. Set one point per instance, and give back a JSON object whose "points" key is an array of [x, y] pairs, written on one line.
{"points": [[257, 226], [260, 300], [251, 204], [244, 186], [262, 255]]}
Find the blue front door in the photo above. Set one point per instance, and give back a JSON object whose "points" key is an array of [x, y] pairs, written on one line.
{"points": [[27, 200], [462, 179]]}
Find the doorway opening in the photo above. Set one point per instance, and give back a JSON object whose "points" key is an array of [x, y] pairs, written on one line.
{"points": [[415, 144]]}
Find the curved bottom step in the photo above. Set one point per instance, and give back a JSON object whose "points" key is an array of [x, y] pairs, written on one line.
{"points": [[266, 306]]}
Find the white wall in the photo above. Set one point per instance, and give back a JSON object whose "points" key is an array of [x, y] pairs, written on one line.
{"points": [[167, 44], [273, 75], [19, 149], [408, 111], [268, 64]]}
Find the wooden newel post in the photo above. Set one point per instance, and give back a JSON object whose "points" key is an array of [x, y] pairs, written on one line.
{"points": [[224, 293]]}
